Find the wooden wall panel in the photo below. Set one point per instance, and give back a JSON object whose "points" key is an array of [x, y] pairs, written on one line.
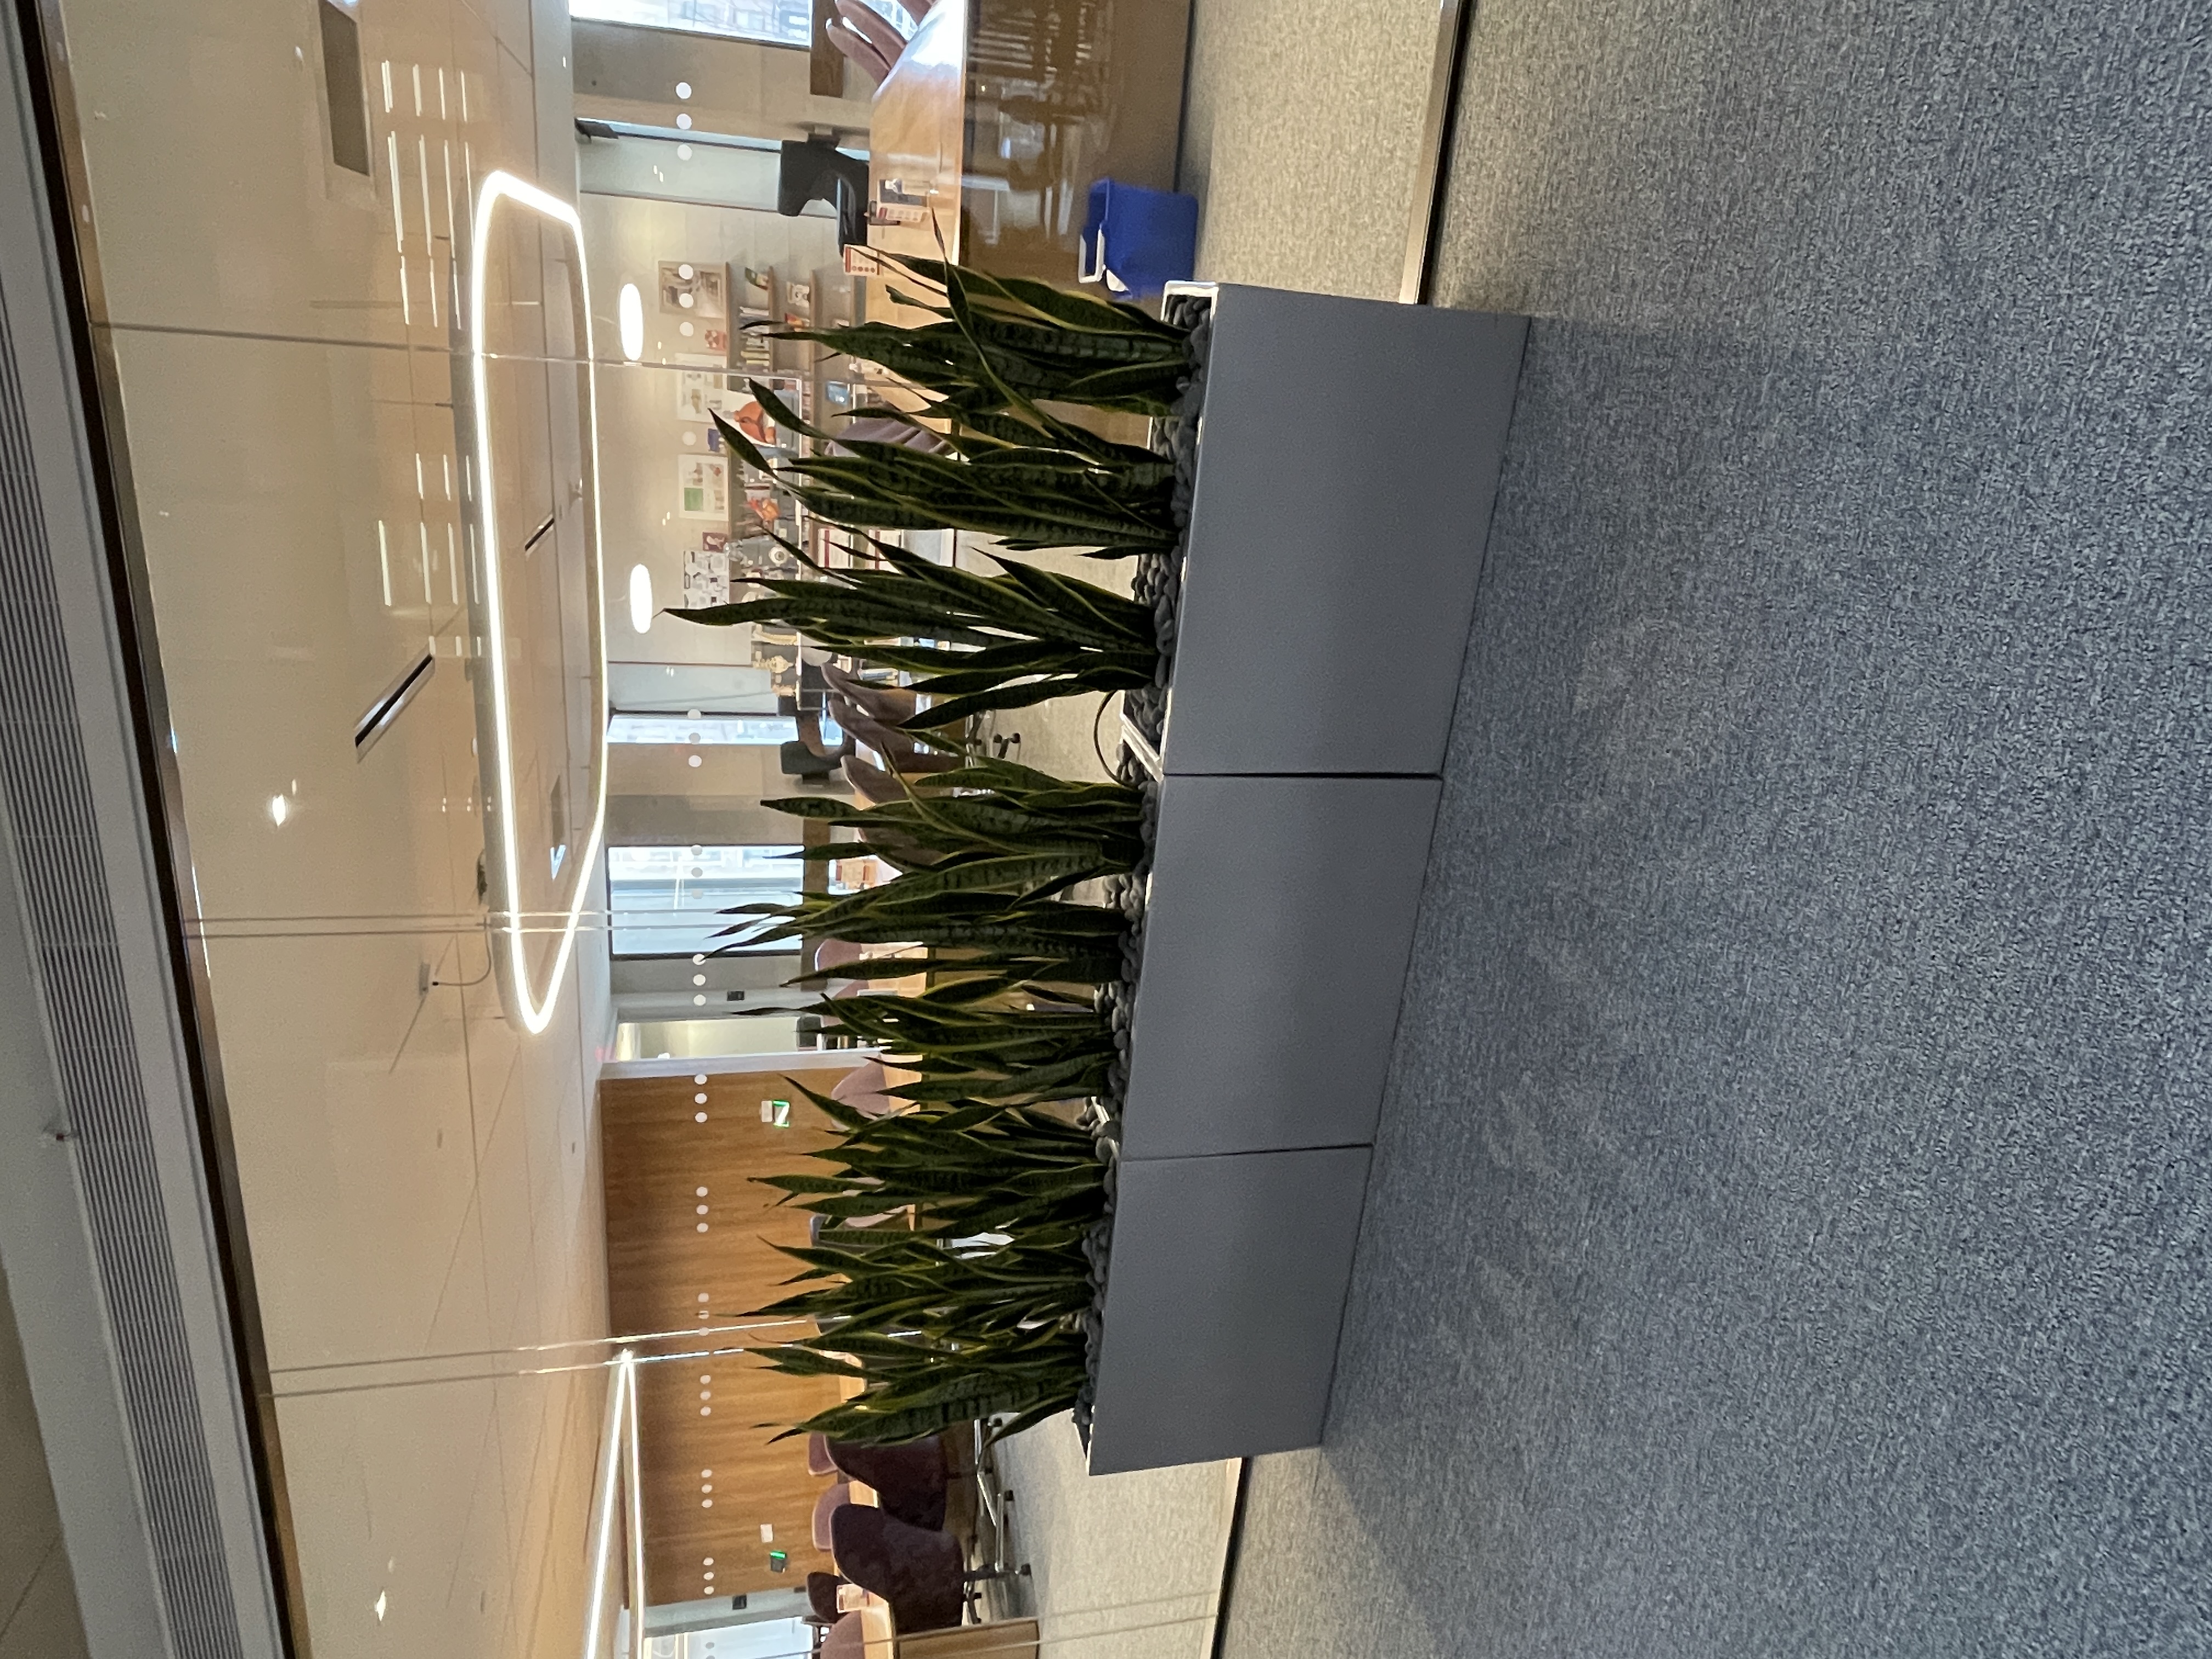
{"points": [[656, 1156]]}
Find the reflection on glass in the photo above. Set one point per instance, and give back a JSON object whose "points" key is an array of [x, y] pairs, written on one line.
{"points": [[670, 901]]}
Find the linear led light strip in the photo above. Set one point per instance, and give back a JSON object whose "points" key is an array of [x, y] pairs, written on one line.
{"points": [[500, 186], [619, 1471]]}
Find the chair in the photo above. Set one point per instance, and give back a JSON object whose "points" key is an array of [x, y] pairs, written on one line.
{"points": [[888, 703], [862, 1088], [864, 20], [844, 1640], [817, 1459], [822, 1597], [809, 733], [825, 1510], [899, 749], [836, 953], [795, 759], [910, 1480], [872, 783], [921, 1573], [816, 170]]}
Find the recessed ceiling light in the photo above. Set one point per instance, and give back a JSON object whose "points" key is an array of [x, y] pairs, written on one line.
{"points": [[630, 314], [279, 809], [640, 599]]}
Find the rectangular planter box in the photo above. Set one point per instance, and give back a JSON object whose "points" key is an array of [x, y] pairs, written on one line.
{"points": [[1222, 1307], [1277, 934], [1348, 457], [1328, 585]]}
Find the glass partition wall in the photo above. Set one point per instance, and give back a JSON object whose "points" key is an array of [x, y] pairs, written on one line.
{"points": [[408, 407]]}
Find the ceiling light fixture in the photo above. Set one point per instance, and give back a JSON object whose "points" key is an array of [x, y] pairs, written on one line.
{"points": [[641, 599], [630, 314], [534, 1013], [279, 809]]}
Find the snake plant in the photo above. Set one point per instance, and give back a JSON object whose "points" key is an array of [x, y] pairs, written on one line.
{"points": [[970, 1308], [1029, 486], [1004, 641], [1004, 342], [978, 1042], [1008, 825]]}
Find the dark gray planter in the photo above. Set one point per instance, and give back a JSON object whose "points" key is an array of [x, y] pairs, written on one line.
{"points": [[1348, 458], [1347, 461]]}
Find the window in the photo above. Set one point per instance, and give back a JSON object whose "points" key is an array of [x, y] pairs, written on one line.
{"points": [[707, 728], [669, 901], [779, 22]]}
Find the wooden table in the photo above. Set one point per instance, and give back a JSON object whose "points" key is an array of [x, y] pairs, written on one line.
{"points": [[1000, 114]]}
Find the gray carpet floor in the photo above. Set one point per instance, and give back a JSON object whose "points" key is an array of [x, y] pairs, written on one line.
{"points": [[1791, 1227]]}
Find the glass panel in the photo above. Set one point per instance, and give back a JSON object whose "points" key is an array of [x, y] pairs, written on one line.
{"points": [[505, 1271], [665, 900]]}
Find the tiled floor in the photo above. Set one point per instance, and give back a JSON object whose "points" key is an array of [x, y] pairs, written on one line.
{"points": [[1121, 1566]]}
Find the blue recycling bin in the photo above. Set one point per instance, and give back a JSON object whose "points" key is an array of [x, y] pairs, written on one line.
{"points": [[1137, 241]]}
